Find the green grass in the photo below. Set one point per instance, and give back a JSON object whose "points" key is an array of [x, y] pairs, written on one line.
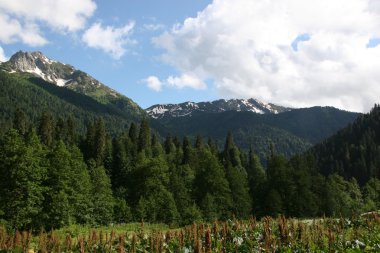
{"points": [[83, 230]]}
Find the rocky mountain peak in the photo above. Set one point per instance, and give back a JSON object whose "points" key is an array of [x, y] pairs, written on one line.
{"points": [[39, 65], [188, 108]]}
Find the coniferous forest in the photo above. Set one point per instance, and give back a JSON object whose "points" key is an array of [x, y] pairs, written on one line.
{"points": [[52, 176]]}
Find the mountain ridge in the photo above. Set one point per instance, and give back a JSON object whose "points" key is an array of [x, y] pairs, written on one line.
{"points": [[64, 75], [159, 111]]}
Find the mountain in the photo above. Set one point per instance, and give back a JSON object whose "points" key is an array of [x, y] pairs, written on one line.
{"points": [[188, 108], [291, 132], [34, 83], [63, 75], [354, 151]]}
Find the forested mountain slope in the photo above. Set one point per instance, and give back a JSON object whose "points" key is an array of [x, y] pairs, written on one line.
{"points": [[291, 132], [354, 151], [35, 96]]}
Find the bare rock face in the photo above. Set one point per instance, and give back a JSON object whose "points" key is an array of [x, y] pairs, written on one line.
{"points": [[57, 73], [38, 64]]}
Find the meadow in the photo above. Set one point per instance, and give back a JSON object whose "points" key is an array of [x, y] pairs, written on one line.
{"points": [[358, 234]]}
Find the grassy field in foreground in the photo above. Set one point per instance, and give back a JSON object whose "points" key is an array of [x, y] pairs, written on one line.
{"points": [[267, 235]]}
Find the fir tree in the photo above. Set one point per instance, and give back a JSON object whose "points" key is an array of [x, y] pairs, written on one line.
{"points": [[21, 182], [102, 198], [46, 129]]}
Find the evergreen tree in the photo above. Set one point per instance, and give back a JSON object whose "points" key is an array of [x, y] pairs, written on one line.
{"points": [[210, 179], [181, 180], [102, 198], [237, 179], [273, 203], [343, 198], [280, 181], [169, 145], [156, 203], [199, 142], [46, 129], [57, 208], [157, 149], [120, 168], [133, 135], [100, 142], [20, 121], [256, 182], [121, 212], [371, 195], [80, 184], [144, 139], [21, 182], [71, 131], [96, 142], [187, 151], [68, 199]]}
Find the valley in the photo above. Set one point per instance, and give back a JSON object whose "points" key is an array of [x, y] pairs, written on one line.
{"points": [[79, 153]]}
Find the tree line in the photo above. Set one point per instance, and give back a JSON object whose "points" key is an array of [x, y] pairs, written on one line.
{"points": [[53, 176]]}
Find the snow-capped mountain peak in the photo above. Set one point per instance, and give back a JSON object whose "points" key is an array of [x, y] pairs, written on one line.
{"points": [[55, 72], [38, 64], [221, 105]]}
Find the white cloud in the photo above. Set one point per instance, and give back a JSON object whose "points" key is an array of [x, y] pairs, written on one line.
{"points": [[186, 80], [244, 46], [109, 39], [3, 58], [68, 15], [13, 31], [179, 82], [22, 20], [153, 83]]}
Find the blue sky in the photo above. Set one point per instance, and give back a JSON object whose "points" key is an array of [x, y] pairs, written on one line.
{"points": [[141, 58], [297, 53]]}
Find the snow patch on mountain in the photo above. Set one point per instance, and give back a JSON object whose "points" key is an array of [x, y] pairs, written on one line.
{"points": [[221, 105], [61, 82]]}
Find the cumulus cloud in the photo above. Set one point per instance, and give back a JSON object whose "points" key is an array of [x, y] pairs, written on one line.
{"points": [[109, 39], [13, 31], [153, 83], [179, 82], [21, 20], [186, 80], [3, 58], [247, 47]]}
